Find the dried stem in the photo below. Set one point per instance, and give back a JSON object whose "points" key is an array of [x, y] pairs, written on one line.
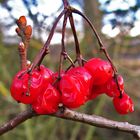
{"points": [[64, 54], [97, 36], [71, 65], [65, 3], [24, 31], [44, 50], [77, 46], [75, 116], [21, 117], [23, 55], [63, 51]]}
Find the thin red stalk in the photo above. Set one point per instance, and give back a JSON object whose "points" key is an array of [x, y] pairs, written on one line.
{"points": [[71, 61], [97, 36], [63, 51], [44, 50], [77, 46], [65, 3], [23, 55], [71, 65]]}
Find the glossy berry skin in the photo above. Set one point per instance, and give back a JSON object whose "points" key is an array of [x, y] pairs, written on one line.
{"points": [[97, 90], [25, 88], [112, 88], [84, 78], [47, 103], [123, 105], [72, 91], [100, 70], [56, 80]]}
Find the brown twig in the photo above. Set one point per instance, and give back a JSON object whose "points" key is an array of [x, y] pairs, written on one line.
{"points": [[21, 117], [97, 36], [77, 46], [64, 54], [44, 50], [63, 51], [22, 54], [24, 31], [75, 116]]}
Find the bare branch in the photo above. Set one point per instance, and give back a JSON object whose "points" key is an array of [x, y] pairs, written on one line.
{"points": [[21, 117], [75, 116], [102, 122]]}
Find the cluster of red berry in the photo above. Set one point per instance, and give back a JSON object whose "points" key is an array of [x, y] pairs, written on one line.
{"points": [[45, 91]]}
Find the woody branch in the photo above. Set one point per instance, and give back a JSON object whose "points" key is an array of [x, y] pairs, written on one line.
{"points": [[68, 114]]}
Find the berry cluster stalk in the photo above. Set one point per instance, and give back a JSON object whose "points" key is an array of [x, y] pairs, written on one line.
{"points": [[67, 12]]}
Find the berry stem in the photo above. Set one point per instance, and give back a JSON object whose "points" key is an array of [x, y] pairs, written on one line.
{"points": [[65, 3], [44, 50], [63, 51], [77, 46], [71, 65], [117, 83], [78, 53], [64, 54], [97, 36]]}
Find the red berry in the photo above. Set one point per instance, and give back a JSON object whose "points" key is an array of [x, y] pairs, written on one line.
{"points": [[47, 103], [97, 90], [112, 88], [100, 70], [25, 88], [84, 77], [123, 105], [72, 91], [56, 79]]}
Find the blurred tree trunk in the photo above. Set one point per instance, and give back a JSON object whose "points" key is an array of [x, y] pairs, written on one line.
{"points": [[91, 10]]}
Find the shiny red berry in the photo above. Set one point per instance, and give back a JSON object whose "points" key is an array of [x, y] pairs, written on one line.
{"points": [[25, 88], [100, 70], [56, 79], [123, 105], [72, 91], [112, 88], [47, 103], [84, 78], [97, 90]]}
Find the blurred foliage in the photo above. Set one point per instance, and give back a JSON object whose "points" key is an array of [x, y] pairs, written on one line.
{"points": [[124, 52], [121, 13]]}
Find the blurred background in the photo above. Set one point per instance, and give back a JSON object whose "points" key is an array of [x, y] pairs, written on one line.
{"points": [[118, 24]]}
